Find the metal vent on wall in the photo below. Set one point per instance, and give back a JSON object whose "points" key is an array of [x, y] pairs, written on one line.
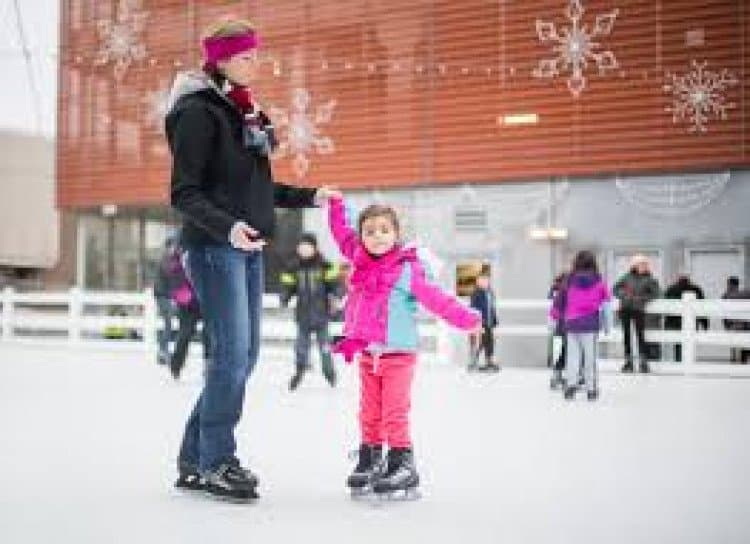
{"points": [[470, 220]]}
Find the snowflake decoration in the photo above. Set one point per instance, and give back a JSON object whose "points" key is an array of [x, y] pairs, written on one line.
{"points": [[672, 196], [302, 130], [156, 103], [121, 38], [699, 95], [575, 46]]}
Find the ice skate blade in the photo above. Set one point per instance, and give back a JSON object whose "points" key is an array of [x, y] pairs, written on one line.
{"points": [[250, 498], [398, 495], [360, 493], [188, 490]]}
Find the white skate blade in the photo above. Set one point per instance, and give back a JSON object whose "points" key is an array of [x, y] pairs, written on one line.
{"points": [[399, 495], [360, 493], [251, 498], [231, 500]]}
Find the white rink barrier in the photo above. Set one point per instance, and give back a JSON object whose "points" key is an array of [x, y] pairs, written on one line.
{"points": [[83, 318]]}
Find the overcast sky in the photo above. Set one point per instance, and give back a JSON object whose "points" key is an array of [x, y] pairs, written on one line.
{"points": [[17, 103]]}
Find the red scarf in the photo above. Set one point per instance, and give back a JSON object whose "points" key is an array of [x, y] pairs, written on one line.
{"points": [[242, 97]]}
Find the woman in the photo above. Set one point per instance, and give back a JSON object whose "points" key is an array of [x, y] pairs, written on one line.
{"points": [[635, 290], [222, 184]]}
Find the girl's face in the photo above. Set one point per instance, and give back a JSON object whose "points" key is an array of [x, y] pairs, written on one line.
{"points": [[241, 68], [378, 235]]}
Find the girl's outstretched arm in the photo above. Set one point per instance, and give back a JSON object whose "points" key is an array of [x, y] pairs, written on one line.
{"points": [[439, 302], [345, 236]]}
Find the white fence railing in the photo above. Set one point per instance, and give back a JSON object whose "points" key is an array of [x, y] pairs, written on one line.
{"points": [[83, 318]]}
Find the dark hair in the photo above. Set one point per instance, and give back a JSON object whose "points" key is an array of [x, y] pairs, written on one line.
{"points": [[378, 210], [585, 261]]}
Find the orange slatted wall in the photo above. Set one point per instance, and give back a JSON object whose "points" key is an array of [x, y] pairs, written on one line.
{"points": [[418, 92]]}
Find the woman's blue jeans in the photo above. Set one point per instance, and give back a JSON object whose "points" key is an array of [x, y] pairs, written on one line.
{"points": [[229, 285]]}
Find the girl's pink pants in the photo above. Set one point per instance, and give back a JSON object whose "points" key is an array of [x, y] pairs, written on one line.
{"points": [[385, 398]]}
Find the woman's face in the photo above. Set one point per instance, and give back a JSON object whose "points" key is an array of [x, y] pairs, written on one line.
{"points": [[241, 68], [379, 235]]}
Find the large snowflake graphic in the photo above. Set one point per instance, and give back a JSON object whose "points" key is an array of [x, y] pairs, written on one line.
{"points": [[121, 38], [698, 95], [301, 130], [575, 46]]}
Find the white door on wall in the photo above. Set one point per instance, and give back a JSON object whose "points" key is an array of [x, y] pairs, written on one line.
{"points": [[710, 268], [619, 264]]}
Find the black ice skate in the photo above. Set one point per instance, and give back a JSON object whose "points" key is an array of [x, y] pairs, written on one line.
{"points": [[369, 464], [189, 479], [592, 395], [249, 474], [400, 479], [232, 483], [644, 368]]}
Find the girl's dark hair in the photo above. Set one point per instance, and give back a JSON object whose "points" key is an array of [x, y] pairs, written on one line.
{"points": [[585, 261], [378, 210]]}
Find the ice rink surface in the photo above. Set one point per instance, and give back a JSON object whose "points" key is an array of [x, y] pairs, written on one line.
{"points": [[89, 440]]}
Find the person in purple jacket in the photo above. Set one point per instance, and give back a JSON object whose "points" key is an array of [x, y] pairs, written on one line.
{"points": [[577, 307]]}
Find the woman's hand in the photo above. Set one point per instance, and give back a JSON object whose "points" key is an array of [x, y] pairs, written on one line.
{"points": [[325, 193], [244, 237]]}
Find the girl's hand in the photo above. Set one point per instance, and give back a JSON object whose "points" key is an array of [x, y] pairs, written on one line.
{"points": [[325, 193]]}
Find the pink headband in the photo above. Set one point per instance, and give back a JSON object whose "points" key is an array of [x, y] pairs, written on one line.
{"points": [[222, 48]]}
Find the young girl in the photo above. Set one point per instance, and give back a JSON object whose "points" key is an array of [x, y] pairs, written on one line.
{"points": [[387, 280], [577, 306]]}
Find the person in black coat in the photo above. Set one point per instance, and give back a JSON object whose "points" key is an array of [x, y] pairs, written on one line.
{"points": [[636, 290], [315, 283], [673, 322], [483, 300], [220, 140]]}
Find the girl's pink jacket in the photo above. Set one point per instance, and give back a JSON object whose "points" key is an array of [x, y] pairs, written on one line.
{"points": [[381, 305]]}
